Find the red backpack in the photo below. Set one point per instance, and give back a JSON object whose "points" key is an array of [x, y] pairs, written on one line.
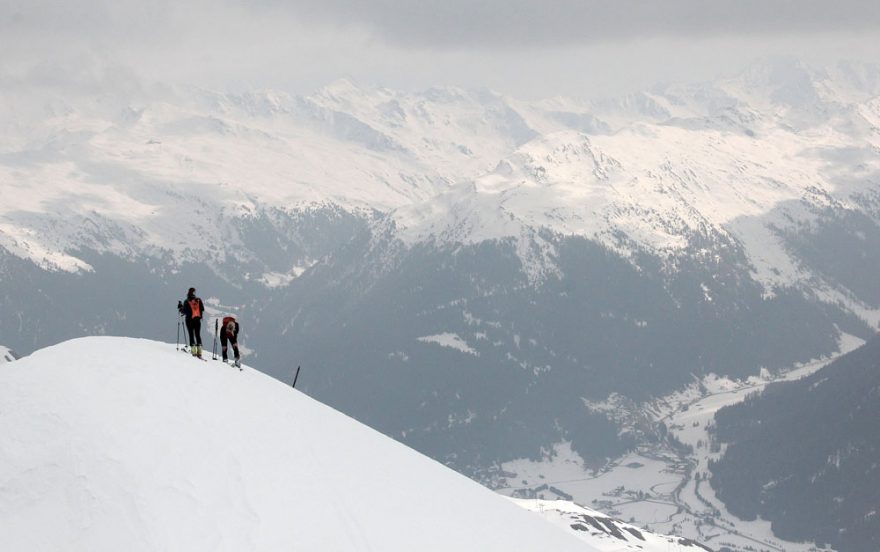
{"points": [[226, 321]]}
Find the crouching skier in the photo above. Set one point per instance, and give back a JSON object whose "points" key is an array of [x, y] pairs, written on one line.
{"points": [[193, 309], [229, 334]]}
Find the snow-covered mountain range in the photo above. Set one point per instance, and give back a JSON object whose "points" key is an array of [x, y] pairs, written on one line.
{"points": [[133, 169], [122, 443], [464, 271]]}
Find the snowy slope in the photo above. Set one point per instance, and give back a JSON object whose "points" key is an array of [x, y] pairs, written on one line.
{"points": [[126, 444], [604, 532]]}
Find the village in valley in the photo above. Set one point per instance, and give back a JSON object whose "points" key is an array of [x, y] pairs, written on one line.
{"points": [[663, 485]]}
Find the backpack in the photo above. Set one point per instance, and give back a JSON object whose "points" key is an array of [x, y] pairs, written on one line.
{"points": [[229, 325], [195, 308]]}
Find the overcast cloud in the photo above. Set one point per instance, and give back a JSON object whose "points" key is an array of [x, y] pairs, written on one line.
{"points": [[522, 47], [526, 23]]}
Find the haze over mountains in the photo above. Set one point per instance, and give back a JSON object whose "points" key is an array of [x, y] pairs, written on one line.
{"points": [[461, 270]]}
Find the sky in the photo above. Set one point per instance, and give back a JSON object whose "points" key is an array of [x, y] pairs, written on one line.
{"points": [[524, 48]]}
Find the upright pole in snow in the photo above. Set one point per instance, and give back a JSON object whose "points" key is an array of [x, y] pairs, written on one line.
{"points": [[181, 322], [184, 345], [214, 348], [295, 377]]}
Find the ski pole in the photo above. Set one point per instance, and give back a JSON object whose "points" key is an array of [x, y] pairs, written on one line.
{"points": [[214, 348], [187, 334], [295, 377], [179, 324]]}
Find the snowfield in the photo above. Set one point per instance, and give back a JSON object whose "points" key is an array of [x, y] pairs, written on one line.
{"points": [[451, 340], [126, 444]]}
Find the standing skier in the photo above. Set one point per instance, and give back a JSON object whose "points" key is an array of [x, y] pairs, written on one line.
{"points": [[193, 309], [229, 333]]}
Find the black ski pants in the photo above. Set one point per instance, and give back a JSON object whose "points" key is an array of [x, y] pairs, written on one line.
{"points": [[232, 340], [194, 325]]}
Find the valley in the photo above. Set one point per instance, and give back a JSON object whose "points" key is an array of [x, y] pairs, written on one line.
{"points": [[664, 487]]}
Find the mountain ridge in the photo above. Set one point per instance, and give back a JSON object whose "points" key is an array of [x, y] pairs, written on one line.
{"points": [[463, 173], [122, 442]]}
